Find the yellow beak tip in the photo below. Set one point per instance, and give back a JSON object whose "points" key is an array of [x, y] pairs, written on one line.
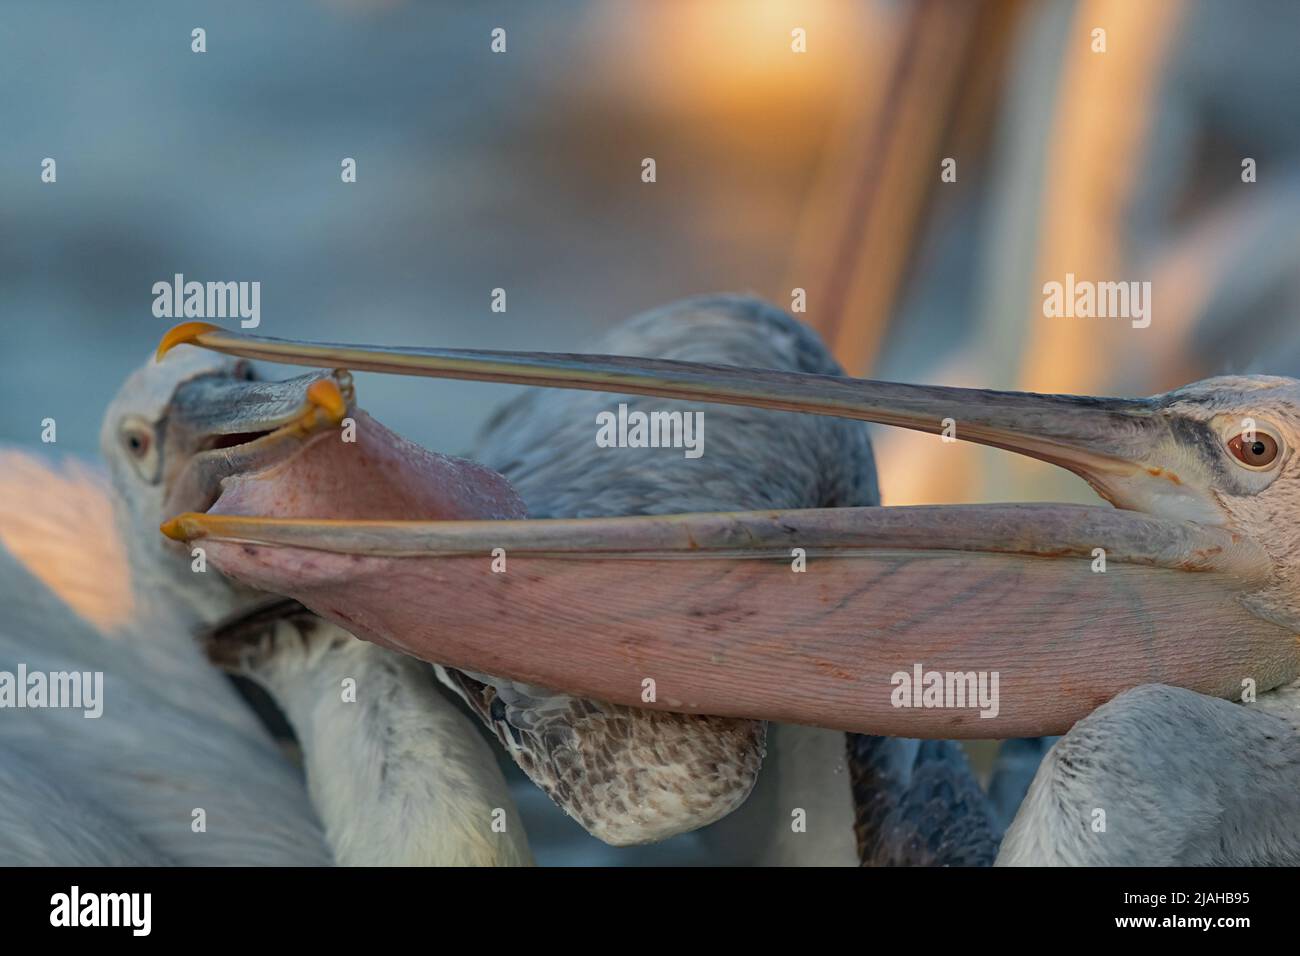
{"points": [[183, 334], [178, 528], [326, 395]]}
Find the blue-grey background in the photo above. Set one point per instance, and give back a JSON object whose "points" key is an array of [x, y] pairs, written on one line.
{"points": [[474, 171]]}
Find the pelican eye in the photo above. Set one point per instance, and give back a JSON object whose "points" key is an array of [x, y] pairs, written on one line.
{"points": [[1257, 451], [137, 443]]}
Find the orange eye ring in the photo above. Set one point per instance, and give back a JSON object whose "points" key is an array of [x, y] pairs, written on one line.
{"points": [[1260, 453]]}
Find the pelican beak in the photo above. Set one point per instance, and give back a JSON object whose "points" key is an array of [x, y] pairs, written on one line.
{"points": [[1131, 451], [970, 621], [232, 424]]}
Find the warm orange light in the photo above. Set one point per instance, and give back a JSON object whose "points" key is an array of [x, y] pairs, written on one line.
{"points": [[702, 57]]}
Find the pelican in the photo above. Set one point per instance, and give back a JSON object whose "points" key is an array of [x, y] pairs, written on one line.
{"points": [[1189, 581], [178, 769]]}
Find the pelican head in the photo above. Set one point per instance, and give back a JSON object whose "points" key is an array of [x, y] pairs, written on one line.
{"points": [[1219, 452], [1234, 439], [1190, 580], [175, 429]]}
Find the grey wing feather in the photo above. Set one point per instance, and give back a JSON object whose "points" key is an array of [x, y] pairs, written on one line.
{"points": [[626, 775]]}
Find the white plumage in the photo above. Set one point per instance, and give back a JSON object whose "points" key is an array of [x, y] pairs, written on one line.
{"points": [[178, 769], [1162, 776], [174, 737]]}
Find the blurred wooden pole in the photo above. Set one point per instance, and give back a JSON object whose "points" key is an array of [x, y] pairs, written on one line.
{"points": [[1104, 115], [859, 233], [1104, 106]]}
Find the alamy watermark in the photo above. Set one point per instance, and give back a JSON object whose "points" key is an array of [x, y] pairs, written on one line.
{"points": [[75, 908], [946, 689], [651, 430], [179, 299], [1103, 300], [70, 690]]}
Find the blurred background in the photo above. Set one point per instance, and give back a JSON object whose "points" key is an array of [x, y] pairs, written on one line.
{"points": [[776, 170]]}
